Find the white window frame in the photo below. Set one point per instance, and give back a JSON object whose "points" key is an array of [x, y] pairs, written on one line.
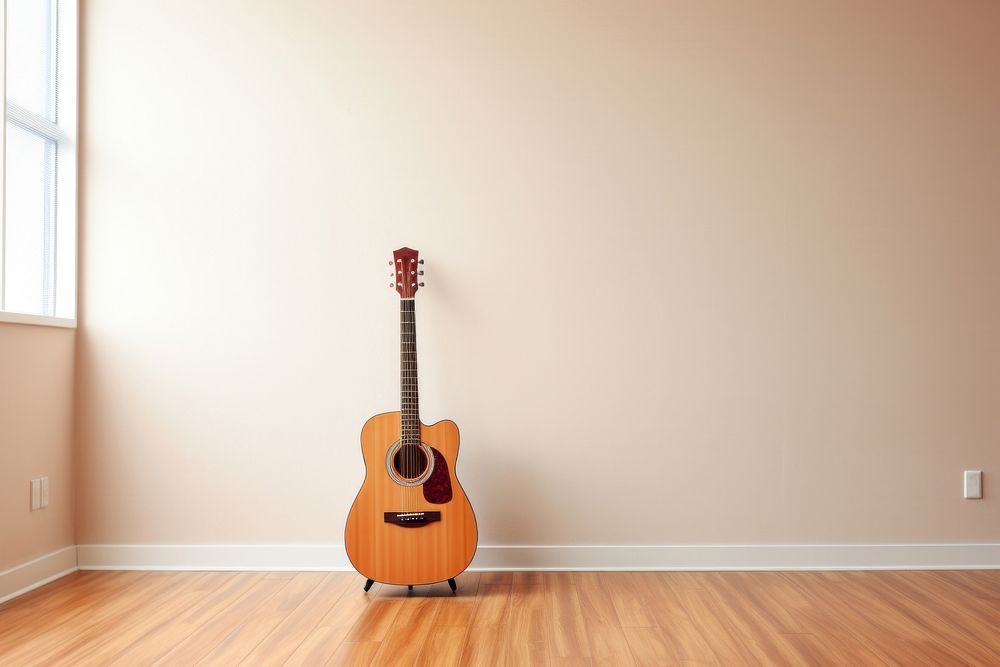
{"points": [[64, 134]]}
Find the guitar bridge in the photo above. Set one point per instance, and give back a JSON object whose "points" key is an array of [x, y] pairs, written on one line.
{"points": [[412, 519]]}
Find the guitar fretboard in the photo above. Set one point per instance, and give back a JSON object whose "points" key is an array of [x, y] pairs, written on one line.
{"points": [[408, 373]]}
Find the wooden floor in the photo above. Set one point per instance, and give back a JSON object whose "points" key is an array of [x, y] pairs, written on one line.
{"points": [[621, 618]]}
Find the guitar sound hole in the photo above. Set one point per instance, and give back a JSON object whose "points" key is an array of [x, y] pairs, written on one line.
{"points": [[410, 461]]}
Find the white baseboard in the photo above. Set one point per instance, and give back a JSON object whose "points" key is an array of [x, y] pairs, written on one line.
{"points": [[27, 576], [257, 557], [742, 557], [497, 558]]}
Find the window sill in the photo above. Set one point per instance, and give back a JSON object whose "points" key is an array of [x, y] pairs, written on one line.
{"points": [[37, 320]]}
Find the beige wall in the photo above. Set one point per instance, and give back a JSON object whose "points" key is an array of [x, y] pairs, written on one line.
{"points": [[36, 412], [698, 272]]}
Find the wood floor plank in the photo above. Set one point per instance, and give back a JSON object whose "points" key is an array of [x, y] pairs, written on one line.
{"points": [[516, 652], [405, 639], [460, 611], [130, 630], [762, 639], [984, 585], [629, 599], [846, 620], [482, 646], [67, 637], [680, 581], [199, 643], [528, 627], [72, 584], [738, 618], [354, 654], [706, 616], [162, 639], [566, 629], [242, 641], [285, 638], [44, 613], [672, 618], [780, 604], [530, 577], [596, 604], [446, 641], [901, 634], [378, 617], [608, 645], [648, 646], [843, 644], [816, 650], [467, 583], [955, 631], [493, 602], [484, 643], [968, 615], [444, 646], [322, 643]]}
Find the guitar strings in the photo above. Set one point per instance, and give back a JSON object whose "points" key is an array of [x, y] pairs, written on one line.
{"points": [[409, 399], [403, 384], [412, 461], [404, 422], [407, 459], [395, 269], [414, 397], [415, 425], [409, 395]]}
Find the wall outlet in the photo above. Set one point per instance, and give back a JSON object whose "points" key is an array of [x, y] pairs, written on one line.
{"points": [[36, 494], [973, 483], [43, 493]]}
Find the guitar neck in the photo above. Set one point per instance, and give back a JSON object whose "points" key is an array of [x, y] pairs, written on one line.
{"points": [[410, 399]]}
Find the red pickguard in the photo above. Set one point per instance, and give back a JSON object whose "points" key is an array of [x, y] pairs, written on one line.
{"points": [[437, 488]]}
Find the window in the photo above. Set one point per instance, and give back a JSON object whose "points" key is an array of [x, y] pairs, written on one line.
{"points": [[38, 222]]}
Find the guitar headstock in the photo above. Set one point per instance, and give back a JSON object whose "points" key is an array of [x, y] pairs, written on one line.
{"points": [[406, 273]]}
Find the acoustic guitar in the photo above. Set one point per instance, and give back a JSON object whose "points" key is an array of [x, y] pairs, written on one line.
{"points": [[411, 522]]}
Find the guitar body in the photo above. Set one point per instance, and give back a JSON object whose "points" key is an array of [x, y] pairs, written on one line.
{"points": [[410, 535]]}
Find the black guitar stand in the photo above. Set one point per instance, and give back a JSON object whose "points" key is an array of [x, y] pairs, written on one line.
{"points": [[451, 583]]}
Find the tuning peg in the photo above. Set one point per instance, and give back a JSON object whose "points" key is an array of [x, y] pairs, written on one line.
{"points": [[420, 273], [392, 284], [420, 284], [420, 262]]}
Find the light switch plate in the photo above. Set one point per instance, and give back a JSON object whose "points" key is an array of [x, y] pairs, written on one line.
{"points": [[36, 494], [973, 483], [43, 494]]}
